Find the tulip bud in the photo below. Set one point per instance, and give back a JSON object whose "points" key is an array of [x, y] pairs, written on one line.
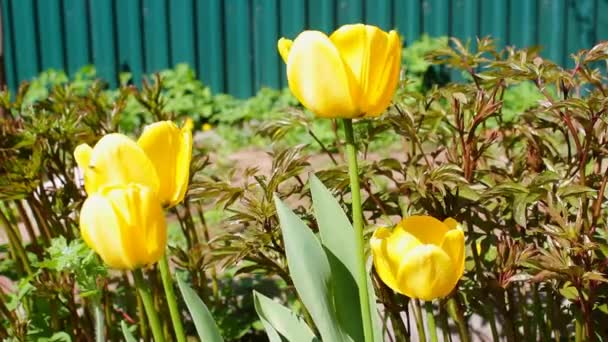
{"points": [[115, 160], [125, 225], [352, 73], [170, 150], [421, 257]]}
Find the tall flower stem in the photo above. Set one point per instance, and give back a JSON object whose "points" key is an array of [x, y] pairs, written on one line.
{"points": [[353, 172], [430, 321], [419, 320], [456, 313], [146, 297], [165, 275]]}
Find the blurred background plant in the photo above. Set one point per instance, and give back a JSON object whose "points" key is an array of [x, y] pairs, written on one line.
{"points": [[513, 148]]}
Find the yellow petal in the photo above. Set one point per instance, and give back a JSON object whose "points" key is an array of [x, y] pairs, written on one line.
{"points": [[284, 45], [118, 160], [451, 223], [143, 227], [125, 225], [426, 273], [353, 46], [383, 88], [382, 262], [82, 154], [319, 79], [100, 230], [389, 249], [427, 229], [453, 245], [170, 150]]}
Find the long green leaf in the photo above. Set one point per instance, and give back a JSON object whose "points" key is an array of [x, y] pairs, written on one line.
{"points": [[310, 271], [203, 321], [271, 333], [126, 333], [282, 320], [338, 237]]}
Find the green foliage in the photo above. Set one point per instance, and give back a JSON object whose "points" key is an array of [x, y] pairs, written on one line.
{"points": [[514, 150], [76, 259], [205, 325]]}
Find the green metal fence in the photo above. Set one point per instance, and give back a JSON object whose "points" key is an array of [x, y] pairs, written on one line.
{"points": [[232, 43]]}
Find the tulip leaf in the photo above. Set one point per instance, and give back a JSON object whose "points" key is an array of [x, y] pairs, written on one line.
{"points": [[203, 321], [126, 332], [310, 271], [338, 237], [281, 320]]}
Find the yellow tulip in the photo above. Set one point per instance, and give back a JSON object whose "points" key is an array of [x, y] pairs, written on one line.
{"points": [[115, 160], [170, 150], [125, 225], [421, 257], [160, 160], [352, 73]]}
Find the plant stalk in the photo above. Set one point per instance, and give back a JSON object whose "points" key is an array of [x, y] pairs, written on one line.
{"points": [[456, 314], [419, 320], [165, 275], [146, 297], [430, 321], [353, 171]]}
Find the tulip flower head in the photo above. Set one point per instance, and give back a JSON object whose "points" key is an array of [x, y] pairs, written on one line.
{"points": [[421, 257], [170, 150], [125, 225], [352, 73], [160, 160]]}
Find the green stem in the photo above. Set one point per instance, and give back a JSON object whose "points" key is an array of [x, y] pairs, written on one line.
{"points": [[419, 320], [165, 274], [99, 321], [578, 330], [430, 320], [146, 297], [456, 314], [16, 243], [353, 171], [445, 326]]}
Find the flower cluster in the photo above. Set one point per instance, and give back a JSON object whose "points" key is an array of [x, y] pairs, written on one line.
{"points": [[128, 183]]}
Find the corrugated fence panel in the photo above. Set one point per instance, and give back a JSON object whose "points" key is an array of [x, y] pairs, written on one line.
{"points": [[130, 42], [239, 58], [76, 23], [552, 19], [156, 34], [292, 21], [321, 15], [9, 51], [265, 15], [51, 35], [27, 56], [232, 43], [210, 43], [103, 38], [181, 26]]}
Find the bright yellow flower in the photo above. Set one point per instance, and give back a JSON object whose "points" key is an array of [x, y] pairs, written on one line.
{"points": [[352, 73], [421, 258], [115, 160], [160, 160], [125, 225], [170, 150]]}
